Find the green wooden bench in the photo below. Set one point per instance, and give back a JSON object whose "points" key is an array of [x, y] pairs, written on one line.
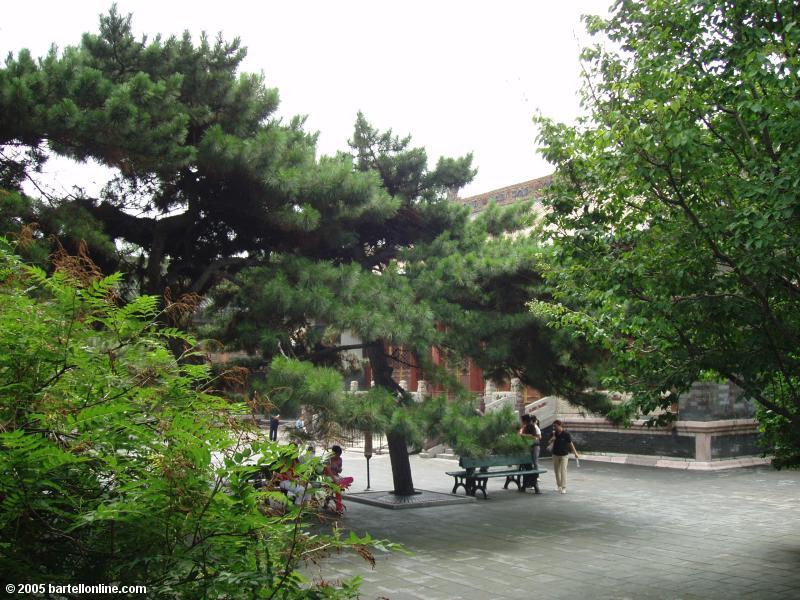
{"points": [[477, 471]]}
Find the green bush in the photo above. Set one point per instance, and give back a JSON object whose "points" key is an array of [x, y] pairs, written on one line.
{"points": [[471, 434], [118, 464]]}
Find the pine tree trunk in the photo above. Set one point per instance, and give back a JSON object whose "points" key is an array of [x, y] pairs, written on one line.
{"points": [[401, 466], [398, 447]]}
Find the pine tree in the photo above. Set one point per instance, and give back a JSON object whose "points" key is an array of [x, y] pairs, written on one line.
{"points": [[214, 193], [419, 275], [208, 179]]}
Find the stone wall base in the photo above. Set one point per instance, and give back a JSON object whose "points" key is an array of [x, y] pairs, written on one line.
{"points": [[693, 445], [676, 463]]}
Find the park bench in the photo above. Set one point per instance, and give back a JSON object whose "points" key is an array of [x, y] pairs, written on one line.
{"points": [[477, 471]]}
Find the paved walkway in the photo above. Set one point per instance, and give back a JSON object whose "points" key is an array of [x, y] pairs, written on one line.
{"points": [[621, 532]]}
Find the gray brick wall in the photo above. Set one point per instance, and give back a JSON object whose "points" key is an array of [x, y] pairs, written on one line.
{"points": [[730, 446], [713, 401], [648, 444]]}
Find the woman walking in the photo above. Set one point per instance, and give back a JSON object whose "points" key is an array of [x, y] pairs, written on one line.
{"points": [[562, 444]]}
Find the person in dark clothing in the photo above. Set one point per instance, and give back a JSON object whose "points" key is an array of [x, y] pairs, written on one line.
{"points": [[530, 430], [562, 444], [274, 421]]}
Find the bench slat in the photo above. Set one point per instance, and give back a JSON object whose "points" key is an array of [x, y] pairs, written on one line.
{"points": [[494, 461], [485, 474]]}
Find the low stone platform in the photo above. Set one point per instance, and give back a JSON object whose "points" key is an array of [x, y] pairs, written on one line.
{"points": [[677, 463], [421, 499]]}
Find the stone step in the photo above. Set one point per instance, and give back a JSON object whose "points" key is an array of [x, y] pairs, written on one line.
{"points": [[439, 452], [448, 455]]}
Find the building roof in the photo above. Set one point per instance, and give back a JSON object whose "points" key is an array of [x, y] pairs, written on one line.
{"points": [[519, 192]]}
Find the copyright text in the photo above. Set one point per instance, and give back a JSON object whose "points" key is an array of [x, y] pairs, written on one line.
{"points": [[73, 588]]}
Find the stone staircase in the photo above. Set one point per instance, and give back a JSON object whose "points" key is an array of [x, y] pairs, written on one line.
{"points": [[439, 451], [545, 410]]}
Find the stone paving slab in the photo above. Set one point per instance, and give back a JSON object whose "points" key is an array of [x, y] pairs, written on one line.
{"points": [[622, 532]]}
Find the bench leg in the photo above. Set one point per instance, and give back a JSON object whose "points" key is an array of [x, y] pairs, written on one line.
{"points": [[475, 485], [515, 479], [536, 484], [482, 487], [470, 487]]}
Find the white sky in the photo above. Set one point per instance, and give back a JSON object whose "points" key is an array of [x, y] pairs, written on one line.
{"points": [[459, 76]]}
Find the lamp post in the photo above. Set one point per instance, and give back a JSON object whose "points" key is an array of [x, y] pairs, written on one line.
{"points": [[367, 451]]}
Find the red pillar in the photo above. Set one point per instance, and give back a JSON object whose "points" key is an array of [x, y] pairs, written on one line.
{"points": [[475, 377], [436, 358], [413, 373]]}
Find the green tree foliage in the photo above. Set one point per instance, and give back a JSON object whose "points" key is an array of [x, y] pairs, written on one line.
{"points": [[477, 280], [208, 180], [118, 464], [417, 276], [358, 283], [675, 206], [470, 434], [456, 423]]}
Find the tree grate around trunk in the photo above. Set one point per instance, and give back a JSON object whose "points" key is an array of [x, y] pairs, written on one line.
{"points": [[420, 499]]}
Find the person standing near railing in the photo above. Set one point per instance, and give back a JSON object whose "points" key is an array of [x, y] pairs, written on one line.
{"points": [[274, 421]]}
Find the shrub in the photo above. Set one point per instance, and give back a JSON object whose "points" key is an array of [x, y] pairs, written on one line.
{"points": [[118, 464]]}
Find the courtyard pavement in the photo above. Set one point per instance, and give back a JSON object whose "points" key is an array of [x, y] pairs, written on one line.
{"points": [[621, 531]]}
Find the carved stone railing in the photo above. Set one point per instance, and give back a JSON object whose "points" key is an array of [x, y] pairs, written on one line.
{"points": [[494, 400]]}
